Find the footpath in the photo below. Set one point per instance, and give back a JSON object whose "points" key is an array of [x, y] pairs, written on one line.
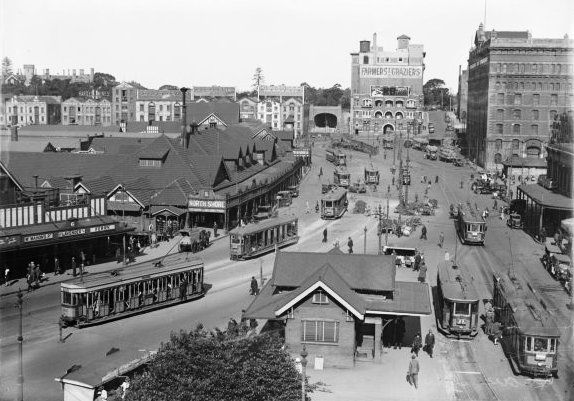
{"points": [[161, 249]]}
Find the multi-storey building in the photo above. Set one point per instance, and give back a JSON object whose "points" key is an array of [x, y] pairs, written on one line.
{"points": [[213, 93], [517, 84], [80, 111], [159, 105], [281, 105], [462, 98], [247, 108], [123, 103], [386, 86], [33, 110]]}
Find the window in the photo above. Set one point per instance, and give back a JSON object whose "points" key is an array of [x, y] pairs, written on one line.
{"points": [[536, 99], [534, 129], [500, 114], [498, 144], [497, 158], [518, 99], [515, 144], [367, 103], [65, 109], [320, 298], [553, 100], [517, 114], [500, 129], [319, 331], [161, 107], [365, 59], [500, 98], [535, 115], [510, 98], [535, 68], [141, 107], [150, 163], [540, 344], [504, 68], [516, 129], [461, 308]]}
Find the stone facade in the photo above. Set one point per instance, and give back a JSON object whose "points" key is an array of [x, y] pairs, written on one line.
{"points": [[386, 86], [123, 103], [461, 109], [33, 110], [516, 86], [279, 104], [78, 111]]}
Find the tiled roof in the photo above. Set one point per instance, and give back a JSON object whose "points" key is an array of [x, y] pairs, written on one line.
{"points": [[366, 272], [119, 145], [162, 126], [155, 210], [228, 112], [161, 95], [408, 297], [101, 185], [176, 193], [65, 130], [403, 36]]}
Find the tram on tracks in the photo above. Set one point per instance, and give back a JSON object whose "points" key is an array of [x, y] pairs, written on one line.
{"points": [[334, 204], [457, 302], [470, 225], [341, 177], [142, 287], [255, 239], [371, 176], [530, 335], [336, 157]]}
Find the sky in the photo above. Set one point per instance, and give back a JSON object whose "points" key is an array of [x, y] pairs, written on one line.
{"points": [[216, 42]]}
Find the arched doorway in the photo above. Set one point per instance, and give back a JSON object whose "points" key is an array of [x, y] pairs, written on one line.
{"points": [[388, 115], [399, 115], [378, 114], [533, 151], [388, 129], [323, 120]]}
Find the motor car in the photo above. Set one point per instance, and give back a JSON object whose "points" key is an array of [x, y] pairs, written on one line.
{"points": [[458, 162], [358, 188], [514, 221], [294, 191]]}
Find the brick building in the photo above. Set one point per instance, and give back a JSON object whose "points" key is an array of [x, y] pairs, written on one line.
{"points": [[339, 306], [123, 103], [462, 96], [280, 107], [517, 84], [386, 86], [82, 111]]}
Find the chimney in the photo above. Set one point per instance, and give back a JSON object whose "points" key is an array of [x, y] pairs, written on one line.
{"points": [[375, 41], [14, 133], [364, 46], [184, 133]]}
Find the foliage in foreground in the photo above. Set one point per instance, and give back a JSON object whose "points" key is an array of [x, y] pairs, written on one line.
{"points": [[201, 365]]}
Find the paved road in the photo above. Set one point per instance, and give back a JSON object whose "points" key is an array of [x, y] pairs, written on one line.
{"points": [[479, 369]]}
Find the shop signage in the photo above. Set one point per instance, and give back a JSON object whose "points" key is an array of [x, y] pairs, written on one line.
{"points": [[206, 205], [11, 240], [71, 233], [301, 152], [98, 229], [391, 72], [38, 237]]}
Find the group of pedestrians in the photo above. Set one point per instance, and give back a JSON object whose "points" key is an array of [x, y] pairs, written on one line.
{"points": [[414, 366]]}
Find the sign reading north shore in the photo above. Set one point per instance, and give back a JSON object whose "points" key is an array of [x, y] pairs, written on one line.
{"points": [[206, 205], [391, 72]]}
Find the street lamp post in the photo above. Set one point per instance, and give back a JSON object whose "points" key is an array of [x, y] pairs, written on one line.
{"points": [[408, 169], [303, 372], [386, 230], [400, 183], [380, 231], [365, 240], [20, 342]]}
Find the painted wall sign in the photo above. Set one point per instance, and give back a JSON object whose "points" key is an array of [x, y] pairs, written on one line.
{"points": [[38, 237], [11, 240], [107, 227], [391, 72], [206, 205]]}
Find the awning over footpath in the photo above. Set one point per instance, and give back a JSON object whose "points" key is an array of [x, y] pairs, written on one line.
{"points": [[546, 198], [60, 232]]}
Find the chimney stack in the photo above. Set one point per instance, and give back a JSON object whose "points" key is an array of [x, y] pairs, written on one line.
{"points": [[184, 133]]}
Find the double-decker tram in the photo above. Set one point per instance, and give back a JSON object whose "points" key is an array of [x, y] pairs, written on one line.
{"points": [[142, 287], [341, 177], [530, 336], [255, 239], [336, 157], [457, 301], [470, 225], [334, 204], [371, 176]]}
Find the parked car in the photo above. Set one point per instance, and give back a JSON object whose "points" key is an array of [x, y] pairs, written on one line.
{"points": [[458, 162], [514, 221]]}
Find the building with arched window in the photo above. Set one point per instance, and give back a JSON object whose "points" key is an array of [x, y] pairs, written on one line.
{"points": [[517, 84], [388, 84]]}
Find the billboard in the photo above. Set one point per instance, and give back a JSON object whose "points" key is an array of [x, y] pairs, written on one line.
{"points": [[380, 91], [390, 71]]}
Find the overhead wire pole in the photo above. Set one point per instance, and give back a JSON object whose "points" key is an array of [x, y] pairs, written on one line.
{"points": [[20, 360], [408, 169]]}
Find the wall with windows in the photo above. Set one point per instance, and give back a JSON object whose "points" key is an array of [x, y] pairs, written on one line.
{"points": [[338, 351], [86, 112]]}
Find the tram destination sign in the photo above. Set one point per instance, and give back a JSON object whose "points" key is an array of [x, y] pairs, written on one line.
{"points": [[206, 205]]}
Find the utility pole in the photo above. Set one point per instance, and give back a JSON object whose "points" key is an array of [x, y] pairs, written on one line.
{"points": [[400, 183], [380, 228], [408, 169], [365, 241], [386, 230], [20, 361], [124, 220]]}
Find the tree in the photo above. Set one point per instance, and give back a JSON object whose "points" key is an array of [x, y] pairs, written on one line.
{"points": [[104, 81], [198, 365], [435, 93], [6, 66], [258, 78], [136, 85], [168, 87]]}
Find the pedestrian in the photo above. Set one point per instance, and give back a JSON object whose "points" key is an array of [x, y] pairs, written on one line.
{"points": [[83, 258], [542, 235], [317, 207], [320, 172], [393, 180], [214, 229], [29, 281], [422, 272], [414, 371], [417, 344], [37, 275], [446, 256], [495, 206], [254, 290], [418, 260], [350, 245], [436, 180], [183, 289], [422, 179], [461, 184], [429, 342], [125, 386], [423, 232], [440, 239], [399, 332], [325, 235], [6, 275], [232, 327], [56, 266], [307, 209], [489, 315]]}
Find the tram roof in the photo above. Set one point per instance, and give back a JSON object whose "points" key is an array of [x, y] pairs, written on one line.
{"points": [[456, 282], [341, 170], [471, 214], [171, 263], [262, 225], [528, 312], [335, 194]]}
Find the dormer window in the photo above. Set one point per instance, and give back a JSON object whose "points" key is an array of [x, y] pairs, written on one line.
{"points": [[320, 298], [150, 163]]}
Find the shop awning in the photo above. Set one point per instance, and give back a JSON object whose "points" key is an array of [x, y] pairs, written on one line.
{"points": [[546, 198]]}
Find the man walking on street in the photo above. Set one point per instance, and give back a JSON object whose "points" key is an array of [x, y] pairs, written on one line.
{"points": [[424, 232], [436, 180], [418, 260], [74, 266], [56, 266], [6, 275], [417, 344], [414, 371], [350, 245], [325, 235], [400, 332], [254, 287], [422, 272], [440, 239], [215, 229], [429, 342]]}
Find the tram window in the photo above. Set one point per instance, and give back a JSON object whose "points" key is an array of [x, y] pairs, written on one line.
{"points": [[66, 298], [235, 239], [528, 343], [552, 345], [540, 344], [474, 308], [461, 309]]}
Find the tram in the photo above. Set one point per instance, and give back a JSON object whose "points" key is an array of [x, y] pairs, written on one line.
{"points": [[341, 177], [470, 225], [457, 301], [530, 335], [334, 204], [142, 287], [336, 157], [371, 176], [255, 239]]}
